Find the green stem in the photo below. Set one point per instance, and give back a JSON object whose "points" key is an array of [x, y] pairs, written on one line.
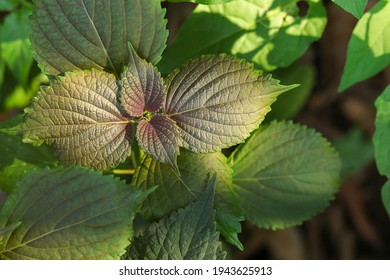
{"points": [[123, 171]]}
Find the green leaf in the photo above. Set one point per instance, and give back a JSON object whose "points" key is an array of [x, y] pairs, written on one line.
{"points": [[79, 115], [189, 234], [289, 104], [12, 148], [355, 151], [5, 232], [368, 50], [284, 174], [382, 133], [8, 5], [160, 138], [217, 101], [15, 44], [69, 213], [205, 2], [176, 192], [13, 173], [142, 88], [355, 7], [85, 34], [386, 196], [267, 32]]}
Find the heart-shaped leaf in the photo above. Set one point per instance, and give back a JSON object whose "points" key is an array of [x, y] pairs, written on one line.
{"points": [[85, 34], [217, 101], [189, 234], [160, 138], [79, 115], [142, 88], [284, 174], [69, 213]]}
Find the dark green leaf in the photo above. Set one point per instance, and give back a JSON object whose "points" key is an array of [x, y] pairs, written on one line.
{"points": [[142, 88], [69, 213], [85, 34], [189, 234], [13, 173], [269, 33], [386, 196], [5, 232], [368, 50], [284, 174], [174, 192], [217, 101], [12, 148], [160, 138], [79, 115], [382, 133], [289, 104], [15, 44], [8, 5], [355, 7], [355, 151]]}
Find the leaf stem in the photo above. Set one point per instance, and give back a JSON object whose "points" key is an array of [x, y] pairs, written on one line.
{"points": [[123, 171]]}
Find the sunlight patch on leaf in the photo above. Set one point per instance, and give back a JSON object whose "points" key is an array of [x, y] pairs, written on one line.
{"points": [[217, 101]]}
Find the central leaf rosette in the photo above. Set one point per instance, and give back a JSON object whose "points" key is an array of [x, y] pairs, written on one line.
{"points": [[208, 104]]}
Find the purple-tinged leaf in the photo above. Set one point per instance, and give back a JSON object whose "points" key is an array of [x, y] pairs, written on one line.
{"points": [[78, 114], [141, 86], [160, 138], [217, 101]]}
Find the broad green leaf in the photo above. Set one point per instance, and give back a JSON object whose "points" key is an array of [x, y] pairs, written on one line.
{"points": [[355, 151], [160, 138], [386, 196], [269, 33], [189, 234], [2, 71], [355, 7], [8, 5], [5, 232], [12, 148], [85, 34], [142, 88], [382, 133], [205, 2], [15, 44], [284, 174], [369, 49], [217, 101], [79, 115], [289, 104], [11, 174], [69, 213], [174, 192]]}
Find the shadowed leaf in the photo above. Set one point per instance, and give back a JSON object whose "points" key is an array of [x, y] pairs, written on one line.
{"points": [[85, 34], [69, 213]]}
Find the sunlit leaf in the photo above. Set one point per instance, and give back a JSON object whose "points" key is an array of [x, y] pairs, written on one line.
{"points": [[216, 101], [189, 234], [206, 2], [355, 7], [368, 50], [284, 174], [269, 33], [69, 213], [177, 192], [79, 115], [15, 44], [160, 138], [142, 88], [381, 137], [85, 34], [12, 174]]}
